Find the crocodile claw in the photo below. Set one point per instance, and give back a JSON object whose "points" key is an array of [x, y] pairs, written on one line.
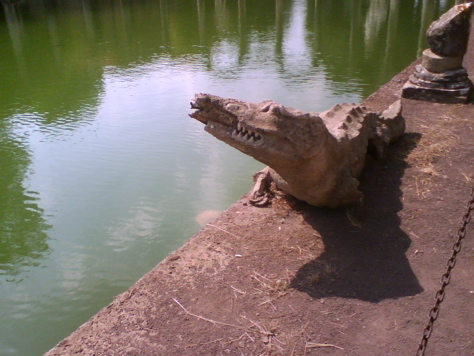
{"points": [[260, 194]]}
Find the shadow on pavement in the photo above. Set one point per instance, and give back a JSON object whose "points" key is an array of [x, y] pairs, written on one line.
{"points": [[368, 262]]}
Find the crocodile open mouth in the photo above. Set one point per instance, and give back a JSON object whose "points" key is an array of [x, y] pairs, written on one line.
{"points": [[245, 133], [224, 124]]}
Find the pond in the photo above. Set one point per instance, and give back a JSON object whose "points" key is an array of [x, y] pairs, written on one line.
{"points": [[102, 172]]}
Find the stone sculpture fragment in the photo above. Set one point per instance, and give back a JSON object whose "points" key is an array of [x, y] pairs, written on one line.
{"points": [[315, 158], [441, 76]]}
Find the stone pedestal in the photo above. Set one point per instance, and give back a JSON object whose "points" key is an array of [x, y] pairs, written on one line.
{"points": [[439, 79], [441, 76]]}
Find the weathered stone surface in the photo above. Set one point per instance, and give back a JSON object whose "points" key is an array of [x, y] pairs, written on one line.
{"points": [[449, 87], [441, 77], [448, 36], [392, 122], [437, 95], [453, 79], [315, 158], [439, 64]]}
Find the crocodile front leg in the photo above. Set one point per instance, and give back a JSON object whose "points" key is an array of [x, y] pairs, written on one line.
{"points": [[260, 194]]}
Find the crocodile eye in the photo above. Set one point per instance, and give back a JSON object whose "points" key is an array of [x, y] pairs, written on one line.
{"points": [[266, 108], [275, 110]]}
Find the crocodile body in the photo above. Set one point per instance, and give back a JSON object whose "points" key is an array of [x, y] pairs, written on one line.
{"points": [[316, 158]]}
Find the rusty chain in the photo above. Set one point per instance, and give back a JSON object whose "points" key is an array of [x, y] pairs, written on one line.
{"points": [[446, 278]]}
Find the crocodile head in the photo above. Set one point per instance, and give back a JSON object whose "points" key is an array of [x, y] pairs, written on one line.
{"points": [[267, 131]]}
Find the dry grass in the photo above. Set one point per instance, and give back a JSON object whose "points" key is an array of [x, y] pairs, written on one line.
{"points": [[272, 287], [312, 345], [323, 270], [423, 151], [436, 141], [254, 331]]}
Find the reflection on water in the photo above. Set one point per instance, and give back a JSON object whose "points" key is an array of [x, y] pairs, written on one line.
{"points": [[102, 173], [23, 236]]}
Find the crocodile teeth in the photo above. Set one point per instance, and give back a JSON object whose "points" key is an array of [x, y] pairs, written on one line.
{"points": [[245, 133]]}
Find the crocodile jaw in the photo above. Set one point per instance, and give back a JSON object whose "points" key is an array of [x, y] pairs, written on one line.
{"points": [[235, 135], [261, 130], [231, 129]]}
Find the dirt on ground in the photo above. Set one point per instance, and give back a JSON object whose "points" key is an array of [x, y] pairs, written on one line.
{"points": [[291, 279]]}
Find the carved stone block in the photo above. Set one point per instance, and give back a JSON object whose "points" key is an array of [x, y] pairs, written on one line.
{"points": [[439, 64], [441, 77], [448, 36]]}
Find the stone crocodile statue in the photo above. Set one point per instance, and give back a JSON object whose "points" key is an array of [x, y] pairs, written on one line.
{"points": [[316, 158]]}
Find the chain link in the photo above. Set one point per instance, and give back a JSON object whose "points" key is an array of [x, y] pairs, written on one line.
{"points": [[446, 278]]}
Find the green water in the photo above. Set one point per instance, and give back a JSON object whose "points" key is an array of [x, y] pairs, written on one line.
{"points": [[102, 173]]}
